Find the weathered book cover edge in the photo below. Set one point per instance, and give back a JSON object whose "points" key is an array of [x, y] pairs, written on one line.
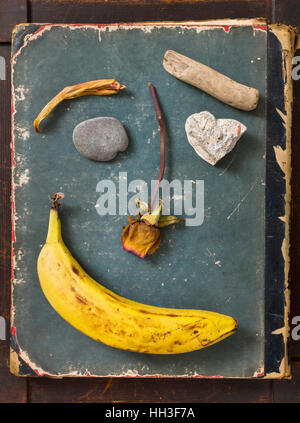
{"points": [[281, 46]]}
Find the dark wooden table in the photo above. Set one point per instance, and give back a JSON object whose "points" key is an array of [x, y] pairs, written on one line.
{"points": [[19, 390]]}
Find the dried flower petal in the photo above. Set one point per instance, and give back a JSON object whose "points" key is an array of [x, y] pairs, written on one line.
{"points": [[141, 206], [140, 238], [153, 218], [97, 87]]}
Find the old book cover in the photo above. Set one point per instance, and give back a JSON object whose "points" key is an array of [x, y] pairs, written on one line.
{"points": [[234, 261]]}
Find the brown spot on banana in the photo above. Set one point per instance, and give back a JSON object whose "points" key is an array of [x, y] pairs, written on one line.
{"points": [[81, 299], [75, 270]]}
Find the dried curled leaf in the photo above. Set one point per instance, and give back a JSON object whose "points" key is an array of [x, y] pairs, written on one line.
{"points": [[168, 220], [153, 218], [97, 87]]}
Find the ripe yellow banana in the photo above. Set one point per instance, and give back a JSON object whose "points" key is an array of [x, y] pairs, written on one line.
{"points": [[114, 320]]}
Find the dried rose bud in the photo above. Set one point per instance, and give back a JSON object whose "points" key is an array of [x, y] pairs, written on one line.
{"points": [[140, 238]]}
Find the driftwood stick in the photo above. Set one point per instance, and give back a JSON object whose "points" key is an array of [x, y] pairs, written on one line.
{"points": [[210, 81]]}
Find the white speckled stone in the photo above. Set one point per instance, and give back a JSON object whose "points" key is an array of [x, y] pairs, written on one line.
{"points": [[212, 138], [100, 139]]}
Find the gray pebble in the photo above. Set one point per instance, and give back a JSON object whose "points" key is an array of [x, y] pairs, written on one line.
{"points": [[100, 138]]}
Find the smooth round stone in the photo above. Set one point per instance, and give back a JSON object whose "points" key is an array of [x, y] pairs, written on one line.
{"points": [[100, 138]]}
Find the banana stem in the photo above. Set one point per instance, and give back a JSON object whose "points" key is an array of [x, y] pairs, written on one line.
{"points": [[162, 143], [54, 228], [56, 197]]}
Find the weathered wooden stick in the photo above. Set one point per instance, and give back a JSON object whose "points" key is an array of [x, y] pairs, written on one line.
{"points": [[212, 82]]}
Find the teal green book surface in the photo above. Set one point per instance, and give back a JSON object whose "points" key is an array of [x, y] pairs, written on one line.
{"points": [[230, 246]]}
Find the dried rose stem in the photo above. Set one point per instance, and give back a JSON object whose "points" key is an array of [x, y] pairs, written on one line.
{"points": [[162, 143]]}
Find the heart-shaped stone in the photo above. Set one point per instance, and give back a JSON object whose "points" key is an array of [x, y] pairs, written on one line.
{"points": [[212, 138]]}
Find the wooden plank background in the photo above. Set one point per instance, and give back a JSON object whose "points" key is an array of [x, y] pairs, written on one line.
{"points": [[18, 390]]}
